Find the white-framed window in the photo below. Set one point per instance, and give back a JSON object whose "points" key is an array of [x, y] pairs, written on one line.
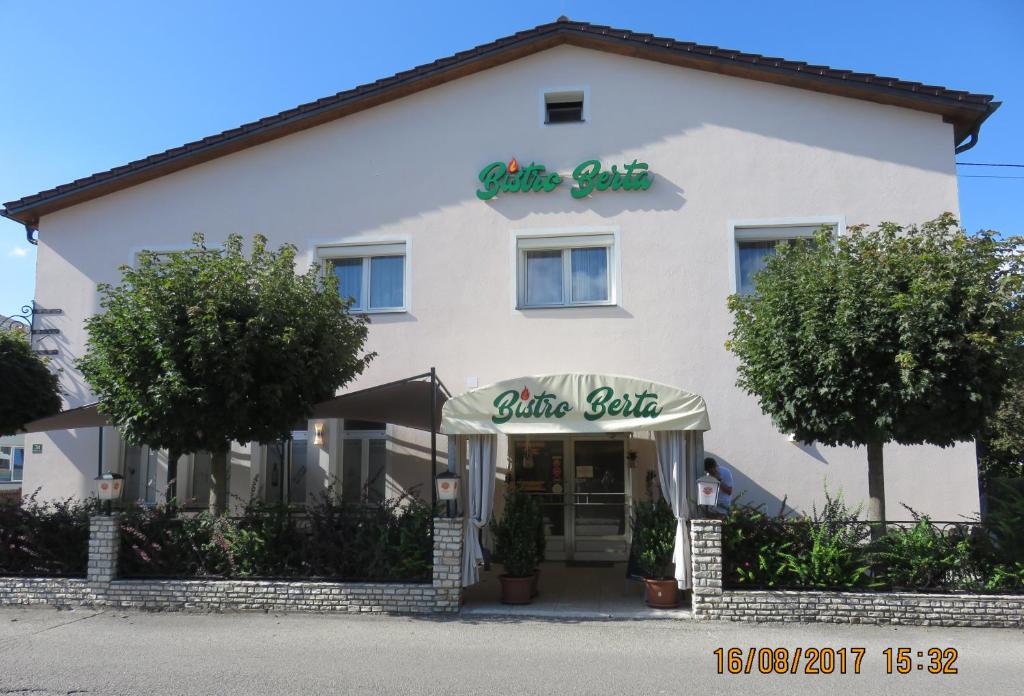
{"points": [[141, 466], [754, 241], [566, 270], [12, 464], [374, 276], [284, 470], [363, 461]]}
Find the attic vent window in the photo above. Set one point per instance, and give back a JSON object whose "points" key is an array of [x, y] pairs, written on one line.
{"points": [[563, 107]]}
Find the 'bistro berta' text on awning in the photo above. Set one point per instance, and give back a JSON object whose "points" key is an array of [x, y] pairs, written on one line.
{"points": [[499, 177], [601, 402]]}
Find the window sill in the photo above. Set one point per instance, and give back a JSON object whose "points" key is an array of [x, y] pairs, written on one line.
{"points": [[396, 310], [581, 305]]}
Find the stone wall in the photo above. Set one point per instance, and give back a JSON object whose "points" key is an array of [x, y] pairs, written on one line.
{"points": [[101, 588], [710, 601], [58, 592]]}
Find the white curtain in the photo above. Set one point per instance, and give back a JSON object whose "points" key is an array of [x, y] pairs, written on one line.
{"points": [[479, 503], [679, 454]]}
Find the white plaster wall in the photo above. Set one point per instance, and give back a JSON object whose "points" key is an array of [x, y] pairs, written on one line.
{"points": [[720, 148]]}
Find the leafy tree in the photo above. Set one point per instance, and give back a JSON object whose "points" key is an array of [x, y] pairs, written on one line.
{"points": [[896, 334], [31, 391], [1002, 441], [196, 349]]}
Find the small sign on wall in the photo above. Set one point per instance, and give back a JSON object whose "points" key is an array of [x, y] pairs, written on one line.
{"points": [[37, 448], [584, 472]]}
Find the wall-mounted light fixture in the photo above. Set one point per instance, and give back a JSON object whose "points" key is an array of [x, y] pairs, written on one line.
{"points": [[318, 434]]}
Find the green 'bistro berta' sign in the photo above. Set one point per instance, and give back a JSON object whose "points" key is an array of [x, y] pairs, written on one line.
{"points": [[573, 403], [601, 402], [499, 177]]}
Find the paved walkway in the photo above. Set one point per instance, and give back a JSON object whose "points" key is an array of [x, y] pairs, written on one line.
{"points": [[571, 592], [49, 652]]}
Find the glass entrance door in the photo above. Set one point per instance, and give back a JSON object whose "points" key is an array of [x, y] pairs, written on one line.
{"points": [[582, 487], [599, 500], [539, 468]]}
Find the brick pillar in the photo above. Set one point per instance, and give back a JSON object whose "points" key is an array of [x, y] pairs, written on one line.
{"points": [[706, 555], [447, 563], [104, 545]]}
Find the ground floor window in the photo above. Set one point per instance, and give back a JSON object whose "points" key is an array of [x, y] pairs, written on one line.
{"points": [[12, 464], [141, 468], [285, 470], [364, 461]]}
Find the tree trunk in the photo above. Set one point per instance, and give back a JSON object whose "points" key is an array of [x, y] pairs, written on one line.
{"points": [[172, 477], [219, 482], [876, 488]]}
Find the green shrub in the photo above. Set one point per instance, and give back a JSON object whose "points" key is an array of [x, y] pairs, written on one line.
{"points": [[1005, 520], [754, 545], [922, 556], [45, 539], [836, 556], [654, 538], [330, 539], [515, 536]]}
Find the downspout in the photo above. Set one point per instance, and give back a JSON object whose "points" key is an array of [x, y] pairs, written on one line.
{"points": [[30, 227], [973, 135], [975, 132]]}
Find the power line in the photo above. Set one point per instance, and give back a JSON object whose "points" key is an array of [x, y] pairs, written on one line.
{"points": [[986, 164], [988, 176]]}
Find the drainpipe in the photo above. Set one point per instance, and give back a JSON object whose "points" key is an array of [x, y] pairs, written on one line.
{"points": [[29, 229], [433, 438], [99, 455], [973, 135]]}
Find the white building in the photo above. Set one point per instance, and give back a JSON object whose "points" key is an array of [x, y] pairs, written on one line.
{"points": [[380, 183]]}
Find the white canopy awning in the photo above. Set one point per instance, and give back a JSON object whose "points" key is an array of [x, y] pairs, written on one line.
{"points": [[573, 403]]}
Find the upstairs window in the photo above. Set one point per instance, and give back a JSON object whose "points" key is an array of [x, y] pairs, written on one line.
{"points": [[756, 244], [564, 107], [565, 271], [372, 276]]}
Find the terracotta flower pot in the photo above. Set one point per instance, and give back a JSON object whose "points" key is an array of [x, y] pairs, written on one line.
{"points": [[534, 589], [661, 594], [516, 590]]}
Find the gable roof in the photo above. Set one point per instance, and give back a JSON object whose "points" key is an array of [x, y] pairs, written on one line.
{"points": [[966, 111]]}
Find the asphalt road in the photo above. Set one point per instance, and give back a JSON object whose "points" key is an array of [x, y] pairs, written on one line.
{"points": [[45, 651]]}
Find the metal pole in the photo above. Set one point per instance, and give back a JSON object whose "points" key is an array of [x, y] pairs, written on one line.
{"points": [[453, 467], [433, 436], [99, 456]]}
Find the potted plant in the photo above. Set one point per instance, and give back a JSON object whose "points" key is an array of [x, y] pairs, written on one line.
{"points": [[654, 536], [515, 543]]}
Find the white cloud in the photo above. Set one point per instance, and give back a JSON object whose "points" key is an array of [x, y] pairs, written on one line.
{"points": [[18, 251]]}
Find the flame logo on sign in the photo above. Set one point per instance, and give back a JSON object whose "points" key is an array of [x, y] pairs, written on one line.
{"points": [[513, 166], [525, 393]]}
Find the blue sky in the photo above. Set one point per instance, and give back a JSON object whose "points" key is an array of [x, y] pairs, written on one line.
{"points": [[92, 85]]}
